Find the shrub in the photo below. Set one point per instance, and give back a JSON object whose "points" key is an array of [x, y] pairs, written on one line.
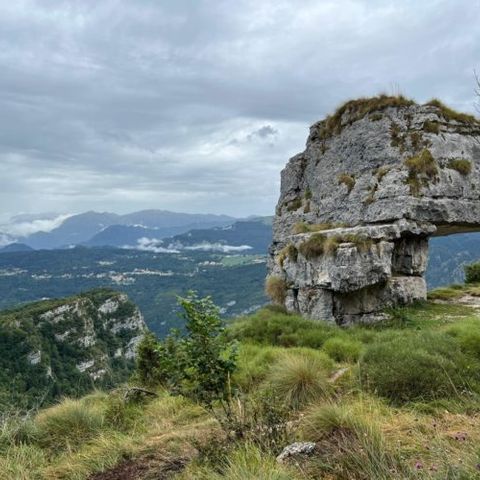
{"points": [[276, 289], [461, 165], [424, 366], [343, 349], [148, 359], [68, 425], [416, 140], [308, 193], [299, 379], [472, 273], [431, 127], [348, 180], [199, 363]]}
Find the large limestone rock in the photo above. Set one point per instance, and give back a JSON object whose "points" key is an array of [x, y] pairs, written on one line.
{"points": [[357, 207]]}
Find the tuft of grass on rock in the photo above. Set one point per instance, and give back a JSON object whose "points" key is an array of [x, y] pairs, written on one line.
{"points": [[294, 205], [450, 114], [353, 111], [276, 289], [431, 127], [461, 165], [422, 168], [347, 180]]}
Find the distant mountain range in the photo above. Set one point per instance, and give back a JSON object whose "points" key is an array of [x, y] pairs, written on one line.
{"points": [[104, 228], [160, 231]]}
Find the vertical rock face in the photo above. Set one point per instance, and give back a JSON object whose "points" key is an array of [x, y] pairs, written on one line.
{"points": [[356, 209]]}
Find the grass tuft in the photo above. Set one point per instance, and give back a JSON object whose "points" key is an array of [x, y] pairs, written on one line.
{"points": [[348, 180], [431, 127], [450, 114], [354, 110], [421, 169], [276, 289], [299, 379], [461, 165]]}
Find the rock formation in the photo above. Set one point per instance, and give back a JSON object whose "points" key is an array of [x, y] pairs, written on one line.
{"points": [[68, 346], [356, 209]]}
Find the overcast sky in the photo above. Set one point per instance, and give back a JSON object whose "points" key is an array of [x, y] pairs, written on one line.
{"points": [[196, 105]]}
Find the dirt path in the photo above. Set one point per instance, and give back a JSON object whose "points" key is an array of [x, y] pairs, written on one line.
{"points": [[143, 468]]}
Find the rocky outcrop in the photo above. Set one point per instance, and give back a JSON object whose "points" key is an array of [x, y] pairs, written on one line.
{"points": [[69, 346], [356, 209]]}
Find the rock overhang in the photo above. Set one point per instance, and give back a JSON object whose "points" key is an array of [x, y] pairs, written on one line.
{"points": [[394, 175]]}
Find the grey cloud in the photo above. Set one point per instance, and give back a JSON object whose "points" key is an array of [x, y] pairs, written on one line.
{"points": [[123, 105]]}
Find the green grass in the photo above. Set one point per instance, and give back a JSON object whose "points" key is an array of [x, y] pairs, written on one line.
{"points": [[299, 379], [378, 400], [426, 366]]}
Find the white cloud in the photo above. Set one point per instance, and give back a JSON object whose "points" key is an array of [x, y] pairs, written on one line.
{"points": [[218, 247], [150, 245], [24, 228], [197, 106]]}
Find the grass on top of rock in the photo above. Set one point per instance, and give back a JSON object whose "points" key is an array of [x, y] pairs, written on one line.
{"points": [[354, 110], [450, 114], [319, 244], [303, 227]]}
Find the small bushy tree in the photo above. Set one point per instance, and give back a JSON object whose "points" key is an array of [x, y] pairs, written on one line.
{"points": [[472, 273], [198, 363]]}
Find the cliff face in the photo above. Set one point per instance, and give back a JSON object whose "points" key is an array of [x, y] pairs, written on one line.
{"points": [[356, 208], [69, 346]]}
